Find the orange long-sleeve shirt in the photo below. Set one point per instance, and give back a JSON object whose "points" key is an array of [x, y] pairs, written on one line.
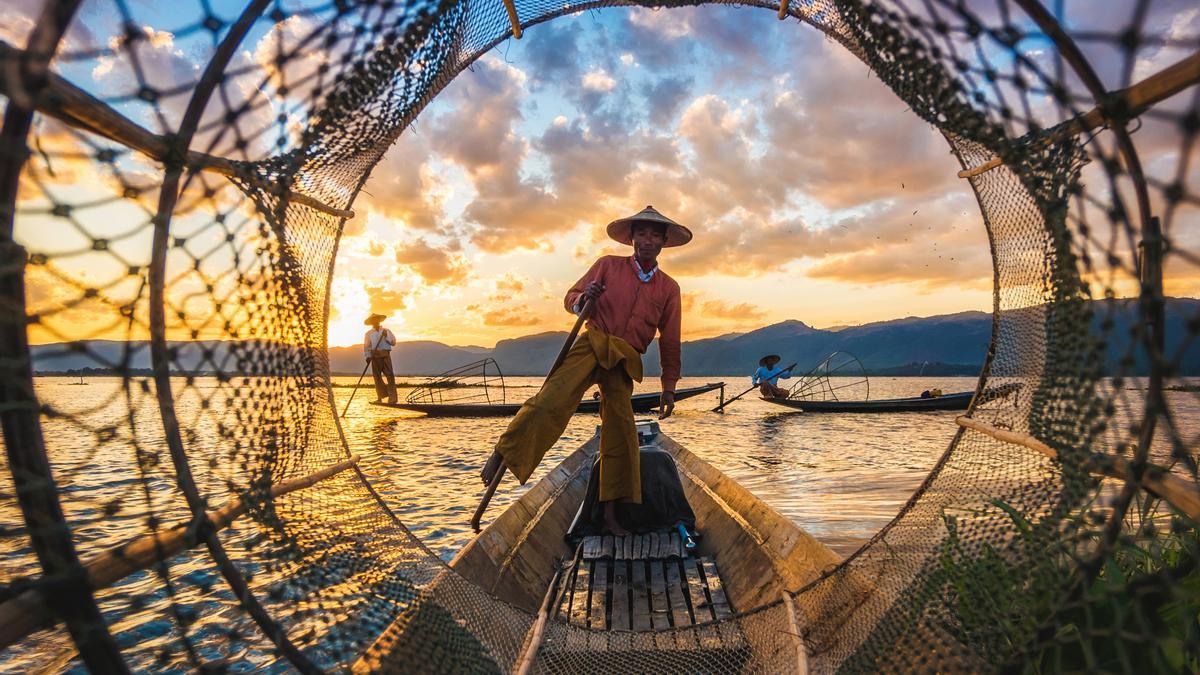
{"points": [[634, 310]]}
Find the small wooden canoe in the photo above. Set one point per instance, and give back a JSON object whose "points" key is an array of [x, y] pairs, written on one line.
{"points": [[641, 403], [648, 592], [955, 401]]}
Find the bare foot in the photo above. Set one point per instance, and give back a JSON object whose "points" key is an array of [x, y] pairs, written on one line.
{"points": [[611, 526], [488, 472]]}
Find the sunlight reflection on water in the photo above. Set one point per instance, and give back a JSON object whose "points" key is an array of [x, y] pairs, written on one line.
{"points": [[839, 477]]}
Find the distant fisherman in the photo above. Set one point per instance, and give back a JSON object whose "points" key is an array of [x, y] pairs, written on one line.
{"points": [[766, 376], [632, 300], [377, 350]]}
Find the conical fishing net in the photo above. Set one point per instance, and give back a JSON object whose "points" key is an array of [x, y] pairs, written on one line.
{"points": [[479, 382], [181, 233], [838, 377]]}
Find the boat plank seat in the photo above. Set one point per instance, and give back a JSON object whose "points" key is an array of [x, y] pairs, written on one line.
{"points": [[642, 582]]}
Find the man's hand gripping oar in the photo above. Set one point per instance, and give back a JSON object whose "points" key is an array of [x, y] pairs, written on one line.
{"points": [[493, 471]]}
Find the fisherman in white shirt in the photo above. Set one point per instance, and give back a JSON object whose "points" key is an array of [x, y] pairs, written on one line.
{"points": [[377, 350]]}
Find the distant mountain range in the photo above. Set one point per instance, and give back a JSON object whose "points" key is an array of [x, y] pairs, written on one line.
{"points": [[951, 344]]}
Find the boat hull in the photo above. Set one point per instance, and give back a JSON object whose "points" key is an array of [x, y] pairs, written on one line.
{"points": [[515, 557], [522, 558], [957, 401], [642, 403]]}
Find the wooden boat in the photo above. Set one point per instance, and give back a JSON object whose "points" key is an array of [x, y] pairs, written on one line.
{"points": [[641, 403], [955, 401], [631, 588]]}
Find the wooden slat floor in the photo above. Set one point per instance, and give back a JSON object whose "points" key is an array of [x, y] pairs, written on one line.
{"points": [[641, 582]]}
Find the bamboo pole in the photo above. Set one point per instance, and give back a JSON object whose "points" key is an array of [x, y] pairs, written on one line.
{"points": [[537, 633], [28, 611], [69, 104], [1129, 102], [1180, 493], [794, 631], [512, 19], [584, 311]]}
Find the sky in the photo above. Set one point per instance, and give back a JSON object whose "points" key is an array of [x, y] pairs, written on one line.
{"points": [[813, 192]]}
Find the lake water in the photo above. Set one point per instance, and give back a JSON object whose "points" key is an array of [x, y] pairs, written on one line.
{"points": [[839, 477]]}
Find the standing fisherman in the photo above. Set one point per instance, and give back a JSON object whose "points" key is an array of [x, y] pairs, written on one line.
{"points": [[632, 299], [377, 350]]}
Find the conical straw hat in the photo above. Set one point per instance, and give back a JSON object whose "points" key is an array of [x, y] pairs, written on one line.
{"points": [[677, 235]]}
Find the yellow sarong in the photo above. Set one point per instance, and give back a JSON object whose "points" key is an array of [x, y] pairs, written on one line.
{"points": [[595, 358]]}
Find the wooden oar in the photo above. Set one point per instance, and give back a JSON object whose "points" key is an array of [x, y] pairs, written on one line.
{"points": [[502, 468], [725, 403]]}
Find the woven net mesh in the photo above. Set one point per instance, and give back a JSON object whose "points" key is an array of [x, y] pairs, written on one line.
{"points": [[204, 240]]}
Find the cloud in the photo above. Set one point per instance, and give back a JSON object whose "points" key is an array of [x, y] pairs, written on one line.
{"points": [[657, 38], [519, 315], [510, 285], [386, 301], [664, 39], [18, 17], [403, 188], [160, 65], [598, 80], [509, 211], [939, 244], [554, 56], [477, 132], [741, 311], [740, 246], [665, 96], [589, 163], [433, 264], [845, 140], [721, 136]]}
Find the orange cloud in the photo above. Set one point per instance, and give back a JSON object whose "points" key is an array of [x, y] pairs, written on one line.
{"points": [[931, 247], [510, 285], [386, 301], [401, 187], [742, 311], [519, 315], [433, 264]]}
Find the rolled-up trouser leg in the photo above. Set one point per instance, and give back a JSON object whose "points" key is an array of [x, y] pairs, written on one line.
{"points": [[540, 422], [381, 391], [386, 367], [620, 465]]}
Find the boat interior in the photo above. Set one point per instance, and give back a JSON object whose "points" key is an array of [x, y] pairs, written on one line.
{"points": [[745, 555]]}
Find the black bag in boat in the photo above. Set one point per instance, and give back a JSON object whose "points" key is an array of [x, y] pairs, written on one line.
{"points": [[663, 502]]}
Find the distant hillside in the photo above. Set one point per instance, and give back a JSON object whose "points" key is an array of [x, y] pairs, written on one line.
{"points": [[951, 344], [421, 357], [959, 339]]}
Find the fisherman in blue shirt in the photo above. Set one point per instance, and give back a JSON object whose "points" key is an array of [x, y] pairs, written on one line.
{"points": [[766, 376]]}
